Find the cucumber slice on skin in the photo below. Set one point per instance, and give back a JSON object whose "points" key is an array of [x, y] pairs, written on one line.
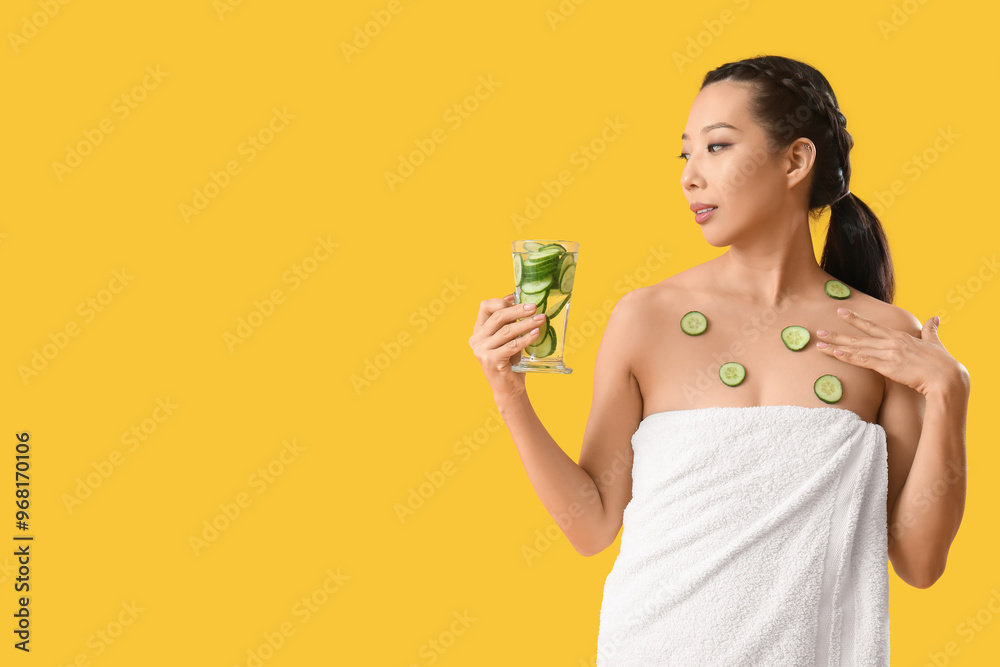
{"points": [[732, 373], [545, 346], [694, 323], [795, 337], [837, 289], [828, 388], [566, 280]]}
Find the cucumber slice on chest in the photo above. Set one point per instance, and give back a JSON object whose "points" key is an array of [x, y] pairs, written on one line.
{"points": [[732, 373], [795, 337], [828, 388], [693, 323]]}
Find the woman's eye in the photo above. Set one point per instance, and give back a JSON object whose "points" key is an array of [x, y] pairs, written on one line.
{"points": [[684, 156]]}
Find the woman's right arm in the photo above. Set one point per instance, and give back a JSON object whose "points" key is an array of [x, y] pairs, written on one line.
{"points": [[588, 499]]}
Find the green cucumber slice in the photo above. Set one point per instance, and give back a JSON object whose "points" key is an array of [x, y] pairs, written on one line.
{"points": [[532, 246], [546, 344], [518, 269], [837, 289], [732, 373], [828, 388], [795, 337], [536, 286], [566, 280], [558, 246], [537, 298], [693, 323], [533, 271], [549, 315]]}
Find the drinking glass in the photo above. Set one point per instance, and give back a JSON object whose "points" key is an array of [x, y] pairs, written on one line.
{"points": [[544, 270]]}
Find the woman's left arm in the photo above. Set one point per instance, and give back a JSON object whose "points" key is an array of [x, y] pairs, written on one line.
{"points": [[925, 516]]}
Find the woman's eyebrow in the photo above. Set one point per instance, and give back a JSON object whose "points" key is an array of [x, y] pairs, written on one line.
{"points": [[713, 126]]}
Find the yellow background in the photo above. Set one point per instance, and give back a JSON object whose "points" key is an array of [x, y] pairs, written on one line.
{"points": [[410, 266]]}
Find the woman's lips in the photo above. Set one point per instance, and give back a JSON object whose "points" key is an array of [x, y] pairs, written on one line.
{"points": [[702, 217]]}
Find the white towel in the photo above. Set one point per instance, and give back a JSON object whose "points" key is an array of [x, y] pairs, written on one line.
{"points": [[755, 536]]}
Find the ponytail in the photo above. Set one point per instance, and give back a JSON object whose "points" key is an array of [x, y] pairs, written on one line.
{"points": [[857, 250]]}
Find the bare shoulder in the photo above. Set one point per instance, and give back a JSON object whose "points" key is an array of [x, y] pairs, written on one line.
{"points": [[886, 314]]}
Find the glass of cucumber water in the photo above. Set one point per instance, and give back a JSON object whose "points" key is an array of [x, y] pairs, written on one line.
{"points": [[543, 274]]}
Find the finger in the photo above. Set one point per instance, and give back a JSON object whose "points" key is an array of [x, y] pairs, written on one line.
{"points": [[490, 306], [870, 327], [515, 345], [877, 359]]}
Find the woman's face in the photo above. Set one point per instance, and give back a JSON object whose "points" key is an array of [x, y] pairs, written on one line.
{"points": [[731, 168]]}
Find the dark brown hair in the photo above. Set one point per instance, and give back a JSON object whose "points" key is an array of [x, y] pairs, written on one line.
{"points": [[791, 99]]}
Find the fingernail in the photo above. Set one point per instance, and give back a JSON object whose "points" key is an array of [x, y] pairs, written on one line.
{"points": [[539, 316], [529, 306], [820, 332], [842, 311], [822, 344]]}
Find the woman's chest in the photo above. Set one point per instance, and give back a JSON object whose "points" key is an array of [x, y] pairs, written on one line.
{"points": [[765, 361]]}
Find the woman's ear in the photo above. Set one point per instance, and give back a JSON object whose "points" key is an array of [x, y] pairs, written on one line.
{"points": [[801, 156]]}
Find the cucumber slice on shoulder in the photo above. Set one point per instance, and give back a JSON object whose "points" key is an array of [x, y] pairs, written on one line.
{"points": [[837, 289], [732, 373], [828, 388], [795, 337], [694, 323]]}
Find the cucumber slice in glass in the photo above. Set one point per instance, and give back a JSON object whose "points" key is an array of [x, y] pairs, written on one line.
{"points": [[693, 323], [795, 337], [837, 289], [566, 280], [558, 246], [537, 298], [532, 246], [556, 309], [518, 268], [828, 388], [535, 286], [546, 344], [732, 373]]}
